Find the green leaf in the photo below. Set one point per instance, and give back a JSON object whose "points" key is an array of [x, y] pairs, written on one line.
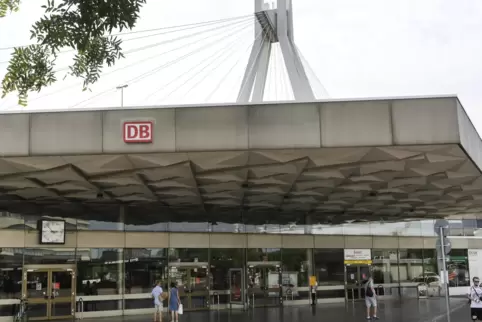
{"points": [[82, 25]]}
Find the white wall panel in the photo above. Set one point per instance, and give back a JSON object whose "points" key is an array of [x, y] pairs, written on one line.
{"points": [[355, 124]]}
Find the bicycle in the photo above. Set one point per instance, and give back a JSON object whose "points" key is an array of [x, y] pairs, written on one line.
{"points": [[21, 314]]}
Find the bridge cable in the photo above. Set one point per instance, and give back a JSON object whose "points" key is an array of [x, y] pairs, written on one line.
{"points": [[156, 70], [154, 29], [261, 33], [138, 62], [165, 42], [222, 53]]}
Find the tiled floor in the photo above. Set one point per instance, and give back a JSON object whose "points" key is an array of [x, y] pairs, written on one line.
{"points": [[429, 310]]}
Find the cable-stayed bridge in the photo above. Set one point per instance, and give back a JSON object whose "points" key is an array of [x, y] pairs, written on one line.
{"points": [[238, 59]]}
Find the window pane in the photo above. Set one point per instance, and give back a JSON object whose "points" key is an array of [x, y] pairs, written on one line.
{"points": [[99, 273], [144, 266], [329, 272], [458, 268], [11, 261]]}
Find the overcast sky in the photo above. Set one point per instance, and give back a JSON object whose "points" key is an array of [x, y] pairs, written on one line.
{"points": [[356, 48]]}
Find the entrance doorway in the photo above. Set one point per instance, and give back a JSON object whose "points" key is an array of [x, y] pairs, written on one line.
{"points": [[236, 288], [355, 277], [49, 291], [264, 284], [192, 280]]}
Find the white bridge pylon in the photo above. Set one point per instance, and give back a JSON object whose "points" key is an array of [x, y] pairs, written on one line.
{"points": [[274, 23]]}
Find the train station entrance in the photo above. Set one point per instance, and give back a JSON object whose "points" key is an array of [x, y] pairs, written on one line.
{"points": [[357, 271], [49, 291]]}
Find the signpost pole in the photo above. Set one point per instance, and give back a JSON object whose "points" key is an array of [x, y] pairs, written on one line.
{"points": [[445, 278]]}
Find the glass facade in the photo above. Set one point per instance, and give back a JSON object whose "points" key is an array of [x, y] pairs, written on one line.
{"points": [[423, 228], [118, 280]]}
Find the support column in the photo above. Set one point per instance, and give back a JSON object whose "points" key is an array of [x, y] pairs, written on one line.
{"points": [[274, 25], [309, 252], [121, 260]]}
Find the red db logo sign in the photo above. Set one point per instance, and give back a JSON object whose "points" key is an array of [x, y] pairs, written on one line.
{"points": [[138, 132]]}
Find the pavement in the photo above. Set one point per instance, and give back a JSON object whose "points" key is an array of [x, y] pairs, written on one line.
{"points": [[424, 310]]}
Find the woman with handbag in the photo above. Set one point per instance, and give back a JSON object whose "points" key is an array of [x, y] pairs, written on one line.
{"points": [[174, 302]]}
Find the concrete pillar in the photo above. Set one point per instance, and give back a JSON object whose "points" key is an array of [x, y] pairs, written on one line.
{"points": [[309, 252]]}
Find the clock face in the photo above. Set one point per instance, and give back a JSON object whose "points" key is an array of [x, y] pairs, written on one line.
{"points": [[53, 232]]}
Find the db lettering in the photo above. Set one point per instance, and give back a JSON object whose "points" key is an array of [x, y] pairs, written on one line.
{"points": [[138, 132]]}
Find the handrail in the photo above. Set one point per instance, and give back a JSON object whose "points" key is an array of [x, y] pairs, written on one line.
{"points": [[81, 308], [289, 292]]}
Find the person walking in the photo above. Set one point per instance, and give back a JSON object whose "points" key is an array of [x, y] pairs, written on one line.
{"points": [[156, 294], [174, 302], [475, 297], [371, 299]]}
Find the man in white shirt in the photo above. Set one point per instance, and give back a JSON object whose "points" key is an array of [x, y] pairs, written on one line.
{"points": [[475, 295], [156, 294], [371, 299]]}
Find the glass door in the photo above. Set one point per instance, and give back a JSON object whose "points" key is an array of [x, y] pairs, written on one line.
{"points": [[236, 282], [50, 292], [352, 280], [199, 288], [264, 284], [192, 282], [355, 277]]}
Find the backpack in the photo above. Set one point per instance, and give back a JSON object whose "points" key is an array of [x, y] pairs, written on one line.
{"points": [[369, 291]]}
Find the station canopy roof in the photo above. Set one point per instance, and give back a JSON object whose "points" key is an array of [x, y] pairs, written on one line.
{"points": [[391, 159], [333, 185]]}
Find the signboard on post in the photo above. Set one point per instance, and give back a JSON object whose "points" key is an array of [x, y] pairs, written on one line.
{"points": [[475, 262], [138, 132], [441, 223], [447, 245], [358, 256]]}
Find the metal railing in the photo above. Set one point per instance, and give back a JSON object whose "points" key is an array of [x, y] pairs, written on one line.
{"points": [[288, 293]]}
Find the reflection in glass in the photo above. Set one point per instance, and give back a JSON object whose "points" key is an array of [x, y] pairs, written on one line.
{"points": [[49, 255], [11, 262], [330, 272], [264, 276], [222, 260], [188, 255], [99, 271], [329, 266], [11, 221], [385, 266], [411, 266], [188, 227], [143, 267], [189, 271], [220, 227], [147, 227], [295, 273], [37, 285], [264, 281], [458, 268]]}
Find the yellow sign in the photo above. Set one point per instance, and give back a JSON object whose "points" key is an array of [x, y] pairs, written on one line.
{"points": [[358, 262], [312, 280]]}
